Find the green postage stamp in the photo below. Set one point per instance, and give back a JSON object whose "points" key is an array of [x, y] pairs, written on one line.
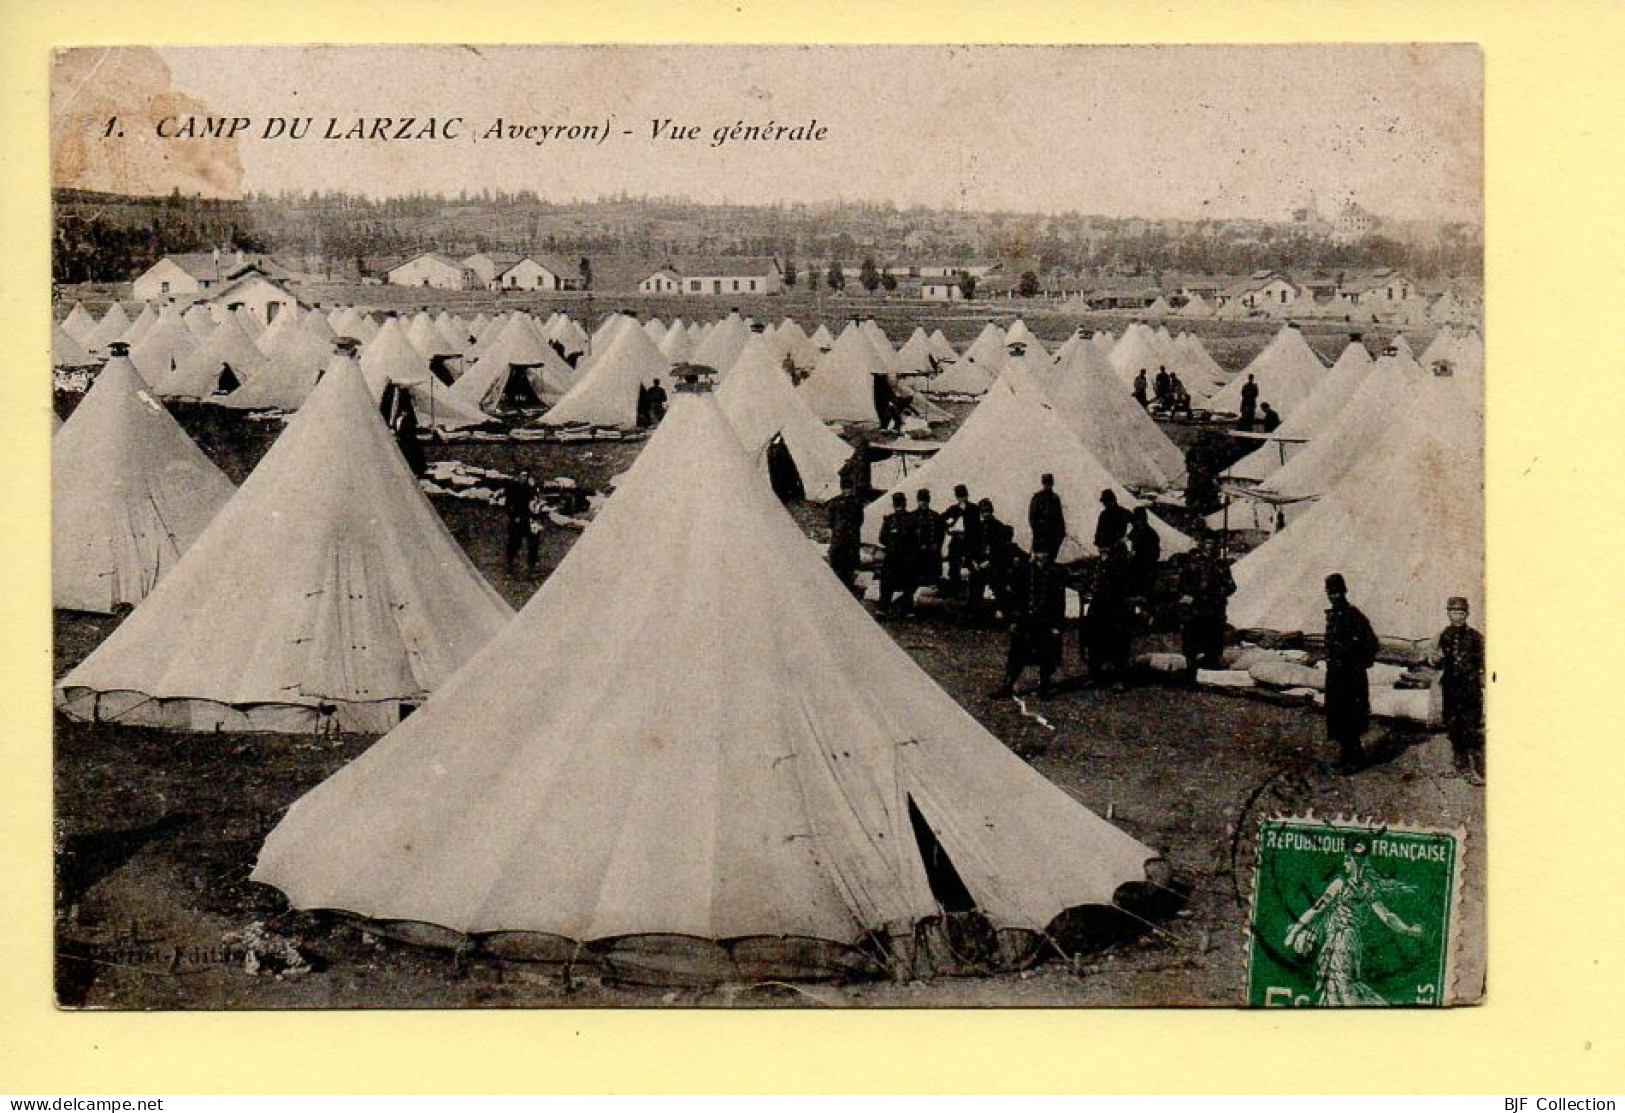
{"points": [[1348, 913]]}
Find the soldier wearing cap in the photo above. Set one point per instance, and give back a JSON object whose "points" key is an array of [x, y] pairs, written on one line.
{"points": [[845, 531], [1459, 652], [1046, 517], [1351, 649], [963, 523], [901, 557]]}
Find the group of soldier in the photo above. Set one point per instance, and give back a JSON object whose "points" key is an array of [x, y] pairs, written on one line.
{"points": [[966, 552], [1167, 392]]}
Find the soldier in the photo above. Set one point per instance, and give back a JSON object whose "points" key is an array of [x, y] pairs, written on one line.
{"points": [[1459, 650], [845, 531], [991, 560], [963, 523], [1046, 517], [1145, 551], [900, 559], [517, 495], [1249, 405], [1104, 635], [657, 402], [1038, 605], [1269, 419], [1112, 524], [1139, 389], [1351, 649], [928, 534], [1205, 587]]}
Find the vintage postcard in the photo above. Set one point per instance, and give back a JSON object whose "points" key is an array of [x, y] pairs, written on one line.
{"points": [[639, 526]]}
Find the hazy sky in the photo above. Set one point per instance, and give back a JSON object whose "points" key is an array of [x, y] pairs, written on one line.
{"points": [[1148, 131]]}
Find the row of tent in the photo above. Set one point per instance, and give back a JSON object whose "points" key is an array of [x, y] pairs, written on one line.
{"points": [[1446, 310], [636, 771], [1378, 475]]}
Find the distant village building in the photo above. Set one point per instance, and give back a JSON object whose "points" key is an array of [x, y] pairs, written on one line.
{"points": [[433, 269], [1378, 290], [1352, 224], [257, 295], [977, 269], [486, 265], [663, 281], [528, 273], [1264, 291], [716, 276], [192, 274]]}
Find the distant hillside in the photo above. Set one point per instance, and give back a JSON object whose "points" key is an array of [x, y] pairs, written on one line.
{"points": [[106, 236]]}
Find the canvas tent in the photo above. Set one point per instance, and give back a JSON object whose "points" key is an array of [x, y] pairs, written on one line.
{"points": [[1287, 371], [130, 493], [761, 403], [642, 777], [1013, 437], [327, 595], [974, 371], [1086, 392], [1321, 409], [607, 392], [389, 357], [224, 361], [519, 370], [842, 386], [1404, 526], [79, 323]]}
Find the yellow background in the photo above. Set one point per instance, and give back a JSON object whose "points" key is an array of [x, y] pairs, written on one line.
{"points": [[1554, 1021]]}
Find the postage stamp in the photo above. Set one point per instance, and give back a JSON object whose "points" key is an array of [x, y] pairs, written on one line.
{"points": [[1352, 914]]}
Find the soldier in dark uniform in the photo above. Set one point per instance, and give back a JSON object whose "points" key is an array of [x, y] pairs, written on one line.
{"points": [[1351, 649], [928, 534], [657, 402], [1270, 420], [1205, 588], [1046, 517], [1460, 654], [1249, 405], [1145, 551], [1139, 389], [963, 523], [643, 406], [1038, 610], [1162, 391], [517, 494], [845, 532], [991, 561], [900, 559], [1112, 524], [1104, 636]]}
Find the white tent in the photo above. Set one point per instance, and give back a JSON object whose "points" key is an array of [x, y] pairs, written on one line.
{"points": [[79, 324], [1012, 438], [1201, 376], [761, 403], [165, 344], [1197, 308], [940, 348], [389, 357], [675, 345], [1287, 371], [490, 383], [607, 392], [111, 328], [293, 365], [1086, 392], [326, 595], [1320, 410], [428, 339], [881, 343], [795, 343], [642, 774], [220, 364], [915, 356], [138, 327], [974, 371], [842, 386], [1374, 407], [130, 492], [67, 351], [1404, 526], [1019, 333], [1137, 351], [722, 344], [1159, 308]]}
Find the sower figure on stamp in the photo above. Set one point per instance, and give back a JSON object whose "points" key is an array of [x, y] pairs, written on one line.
{"points": [[1336, 924], [1459, 651], [1038, 606], [1351, 649]]}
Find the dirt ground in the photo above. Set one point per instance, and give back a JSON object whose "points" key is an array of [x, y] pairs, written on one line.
{"points": [[157, 831]]}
